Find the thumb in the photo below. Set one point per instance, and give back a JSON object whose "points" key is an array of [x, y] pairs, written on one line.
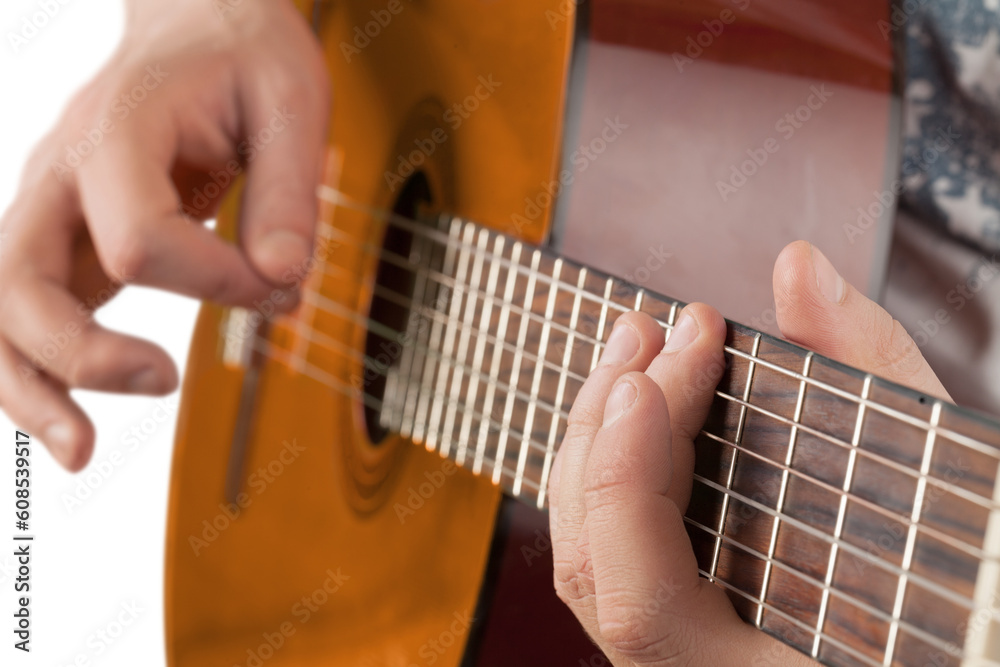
{"points": [[818, 309], [285, 123]]}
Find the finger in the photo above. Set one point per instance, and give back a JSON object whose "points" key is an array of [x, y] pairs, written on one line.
{"points": [[58, 336], [687, 372], [634, 341], [286, 115], [138, 230], [651, 606], [819, 310], [43, 408]]}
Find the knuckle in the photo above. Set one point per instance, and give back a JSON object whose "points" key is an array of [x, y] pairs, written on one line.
{"points": [[127, 257], [77, 372], [638, 637], [567, 578]]}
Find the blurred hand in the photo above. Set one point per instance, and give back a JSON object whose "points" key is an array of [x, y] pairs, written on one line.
{"points": [[197, 94], [623, 560]]}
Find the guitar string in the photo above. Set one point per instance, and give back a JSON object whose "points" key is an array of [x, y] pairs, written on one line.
{"points": [[883, 563], [930, 638], [905, 625], [337, 198], [577, 335], [343, 311], [446, 281], [319, 375]]}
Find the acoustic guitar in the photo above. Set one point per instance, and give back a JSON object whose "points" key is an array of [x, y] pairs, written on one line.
{"points": [[363, 482]]}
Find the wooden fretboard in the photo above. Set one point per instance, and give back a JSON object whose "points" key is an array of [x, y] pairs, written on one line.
{"points": [[850, 517]]}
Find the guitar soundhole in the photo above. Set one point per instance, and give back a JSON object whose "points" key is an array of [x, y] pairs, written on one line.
{"points": [[395, 283]]}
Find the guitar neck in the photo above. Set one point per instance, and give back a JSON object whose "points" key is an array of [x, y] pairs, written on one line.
{"points": [[850, 517]]}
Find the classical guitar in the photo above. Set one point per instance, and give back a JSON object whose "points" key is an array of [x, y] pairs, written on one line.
{"points": [[363, 482]]}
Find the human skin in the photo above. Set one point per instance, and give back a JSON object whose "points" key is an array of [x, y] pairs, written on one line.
{"points": [[129, 213], [623, 561]]}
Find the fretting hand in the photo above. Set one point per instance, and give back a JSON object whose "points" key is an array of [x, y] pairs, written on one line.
{"points": [[622, 478]]}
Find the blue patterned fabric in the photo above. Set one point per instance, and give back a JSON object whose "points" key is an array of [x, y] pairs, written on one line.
{"points": [[951, 154]]}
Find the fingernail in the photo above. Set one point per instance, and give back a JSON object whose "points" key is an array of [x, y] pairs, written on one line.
{"points": [[621, 347], [57, 435], [830, 284], [683, 334], [285, 247], [621, 399], [145, 381]]}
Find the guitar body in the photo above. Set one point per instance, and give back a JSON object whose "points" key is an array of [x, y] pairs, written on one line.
{"points": [[410, 584], [331, 544]]}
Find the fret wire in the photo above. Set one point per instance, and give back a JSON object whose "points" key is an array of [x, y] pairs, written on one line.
{"points": [[413, 388], [536, 380], [319, 375], [911, 536], [971, 496], [963, 546], [942, 484], [450, 282], [421, 422], [917, 632], [958, 438], [928, 637], [447, 340], [789, 456], [480, 349], [550, 446], [601, 323], [448, 430], [794, 621], [874, 560], [921, 580], [490, 397], [842, 511], [958, 544], [731, 475], [515, 370], [432, 355]]}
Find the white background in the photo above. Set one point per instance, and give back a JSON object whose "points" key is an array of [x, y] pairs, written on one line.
{"points": [[91, 558]]}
